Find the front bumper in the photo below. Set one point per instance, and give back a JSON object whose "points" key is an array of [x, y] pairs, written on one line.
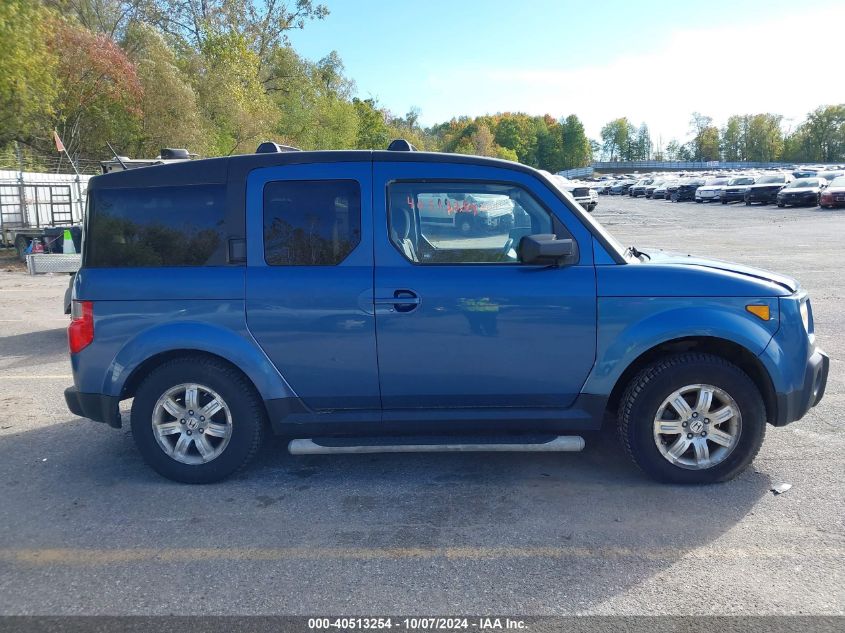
{"points": [[95, 406], [810, 199], [794, 405], [762, 196]]}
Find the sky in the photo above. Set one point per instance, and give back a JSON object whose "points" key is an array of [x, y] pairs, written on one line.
{"points": [[653, 61]]}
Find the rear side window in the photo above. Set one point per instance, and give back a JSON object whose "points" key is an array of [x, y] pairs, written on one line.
{"points": [[156, 227], [311, 222]]}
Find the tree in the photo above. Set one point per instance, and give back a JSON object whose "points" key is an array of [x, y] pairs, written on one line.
{"points": [[617, 141], [821, 138], [98, 91], [642, 146], [236, 108], [261, 24], [734, 136], [705, 142], [765, 138], [171, 114], [576, 150], [373, 132], [27, 71]]}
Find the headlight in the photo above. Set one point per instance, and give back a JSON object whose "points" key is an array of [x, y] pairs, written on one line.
{"points": [[805, 315]]}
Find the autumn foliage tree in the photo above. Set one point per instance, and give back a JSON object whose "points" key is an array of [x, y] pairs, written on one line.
{"points": [[97, 87]]}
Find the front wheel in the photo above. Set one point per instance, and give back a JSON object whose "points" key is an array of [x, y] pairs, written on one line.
{"points": [[197, 420], [692, 418]]}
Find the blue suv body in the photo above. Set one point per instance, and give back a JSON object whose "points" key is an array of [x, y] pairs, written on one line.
{"points": [[351, 294]]}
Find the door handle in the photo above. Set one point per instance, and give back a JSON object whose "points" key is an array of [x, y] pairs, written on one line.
{"points": [[402, 300]]}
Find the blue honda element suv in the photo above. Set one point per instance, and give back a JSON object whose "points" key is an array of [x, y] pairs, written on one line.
{"points": [[389, 301]]}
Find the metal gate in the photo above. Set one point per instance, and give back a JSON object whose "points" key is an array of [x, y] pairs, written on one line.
{"points": [[11, 211]]}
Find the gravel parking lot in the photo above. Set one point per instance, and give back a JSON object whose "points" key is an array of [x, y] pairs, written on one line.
{"points": [[88, 528]]}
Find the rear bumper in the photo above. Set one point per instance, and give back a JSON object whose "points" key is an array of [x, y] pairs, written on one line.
{"points": [[94, 406], [794, 405]]}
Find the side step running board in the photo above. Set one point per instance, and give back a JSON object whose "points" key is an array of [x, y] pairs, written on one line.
{"points": [[360, 445]]}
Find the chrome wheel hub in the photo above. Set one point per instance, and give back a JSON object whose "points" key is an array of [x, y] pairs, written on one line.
{"points": [[697, 426], [192, 423]]}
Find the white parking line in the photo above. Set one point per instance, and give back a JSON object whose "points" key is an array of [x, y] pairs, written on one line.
{"points": [[35, 377]]}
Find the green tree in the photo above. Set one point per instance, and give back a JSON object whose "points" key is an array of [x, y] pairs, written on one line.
{"points": [[373, 132], [232, 100], [642, 145], [705, 142], [576, 150], [821, 138], [27, 71], [171, 114], [765, 138], [617, 139]]}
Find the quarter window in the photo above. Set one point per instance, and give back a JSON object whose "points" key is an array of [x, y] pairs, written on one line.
{"points": [[311, 223], [463, 223], [156, 226]]}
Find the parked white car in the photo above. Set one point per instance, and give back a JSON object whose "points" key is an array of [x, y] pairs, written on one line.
{"points": [[711, 191]]}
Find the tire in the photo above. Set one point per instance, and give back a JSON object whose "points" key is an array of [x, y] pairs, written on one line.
{"points": [[780, 204], [699, 201], [465, 223], [243, 408], [724, 201], [645, 396], [747, 203]]}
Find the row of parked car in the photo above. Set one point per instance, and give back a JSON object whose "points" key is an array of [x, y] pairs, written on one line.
{"points": [[825, 188]]}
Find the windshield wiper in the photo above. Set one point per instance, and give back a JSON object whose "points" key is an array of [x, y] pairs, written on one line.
{"points": [[637, 253]]}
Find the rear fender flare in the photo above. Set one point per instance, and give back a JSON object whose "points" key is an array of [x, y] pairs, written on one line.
{"points": [[240, 349]]}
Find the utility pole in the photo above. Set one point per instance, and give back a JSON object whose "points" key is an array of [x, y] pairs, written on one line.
{"points": [[21, 189]]}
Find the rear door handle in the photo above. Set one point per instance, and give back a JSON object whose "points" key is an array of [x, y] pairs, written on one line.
{"points": [[402, 300]]}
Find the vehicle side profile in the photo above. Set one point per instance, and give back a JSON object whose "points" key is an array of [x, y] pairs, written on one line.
{"points": [[311, 295]]}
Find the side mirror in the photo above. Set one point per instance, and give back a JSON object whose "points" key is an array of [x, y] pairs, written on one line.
{"points": [[546, 249]]}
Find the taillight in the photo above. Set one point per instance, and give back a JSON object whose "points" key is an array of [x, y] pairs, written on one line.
{"points": [[80, 332]]}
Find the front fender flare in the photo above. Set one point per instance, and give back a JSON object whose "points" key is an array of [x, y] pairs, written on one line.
{"points": [[629, 327]]}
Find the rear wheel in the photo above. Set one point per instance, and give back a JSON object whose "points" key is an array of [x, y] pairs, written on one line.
{"points": [[466, 224], [692, 418], [197, 420]]}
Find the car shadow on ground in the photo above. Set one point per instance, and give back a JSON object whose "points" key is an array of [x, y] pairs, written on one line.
{"points": [[556, 531], [28, 349]]}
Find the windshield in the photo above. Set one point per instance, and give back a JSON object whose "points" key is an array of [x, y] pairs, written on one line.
{"points": [[838, 182], [767, 180], [830, 175], [803, 182], [742, 180], [597, 228]]}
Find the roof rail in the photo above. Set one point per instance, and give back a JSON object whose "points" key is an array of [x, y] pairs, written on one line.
{"points": [[400, 145], [269, 147]]}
